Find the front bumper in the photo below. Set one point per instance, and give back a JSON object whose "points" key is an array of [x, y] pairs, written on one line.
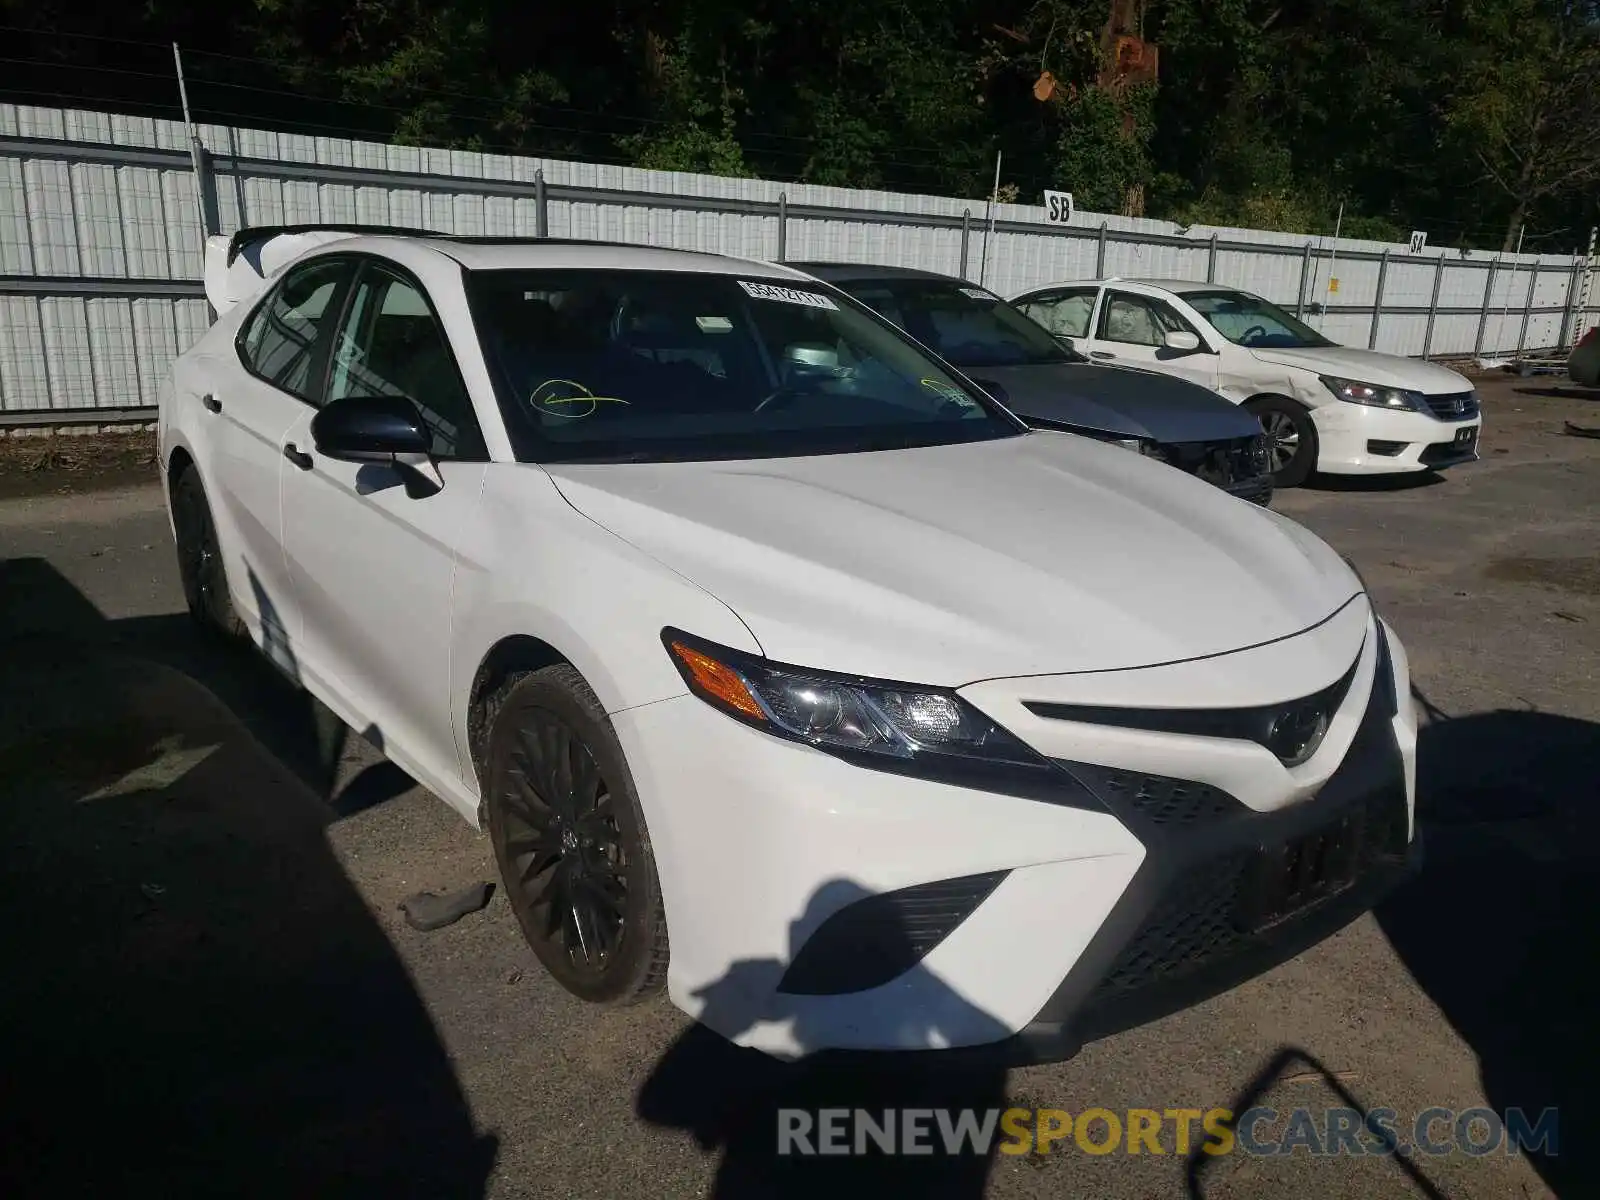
{"points": [[1237, 465], [1036, 923], [1356, 440]]}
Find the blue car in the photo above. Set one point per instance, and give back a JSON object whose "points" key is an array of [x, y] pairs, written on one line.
{"points": [[1052, 386]]}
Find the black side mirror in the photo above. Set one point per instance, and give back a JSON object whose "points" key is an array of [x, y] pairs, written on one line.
{"points": [[384, 430], [369, 429]]}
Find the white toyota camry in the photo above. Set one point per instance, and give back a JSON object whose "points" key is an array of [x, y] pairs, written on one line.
{"points": [[781, 665]]}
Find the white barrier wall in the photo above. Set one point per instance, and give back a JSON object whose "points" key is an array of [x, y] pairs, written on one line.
{"points": [[101, 239]]}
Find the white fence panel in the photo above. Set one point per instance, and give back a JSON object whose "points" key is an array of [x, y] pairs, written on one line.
{"points": [[101, 235]]}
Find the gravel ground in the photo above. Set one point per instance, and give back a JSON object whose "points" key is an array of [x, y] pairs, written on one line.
{"points": [[209, 988]]}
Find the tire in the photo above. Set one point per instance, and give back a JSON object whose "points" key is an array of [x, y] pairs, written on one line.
{"points": [[1291, 439], [570, 839], [200, 566]]}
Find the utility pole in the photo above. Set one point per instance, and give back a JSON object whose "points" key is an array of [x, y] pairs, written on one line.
{"points": [[197, 151], [994, 195]]}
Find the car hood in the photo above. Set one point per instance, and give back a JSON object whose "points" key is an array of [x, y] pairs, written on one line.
{"points": [[1039, 554], [1369, 366], [1119, 401]]}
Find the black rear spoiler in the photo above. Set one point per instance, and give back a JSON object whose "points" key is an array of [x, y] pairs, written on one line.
{"points": [[261, 233]]}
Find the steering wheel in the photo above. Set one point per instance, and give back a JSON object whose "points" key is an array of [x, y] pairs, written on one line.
{"points": [[1247, 337]]}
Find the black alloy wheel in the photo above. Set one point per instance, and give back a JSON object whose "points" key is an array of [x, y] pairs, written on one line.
{"points": [[205, 580], [570, 840]]}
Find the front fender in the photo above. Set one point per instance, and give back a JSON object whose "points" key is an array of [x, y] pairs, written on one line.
{"points": [[533, 566]]}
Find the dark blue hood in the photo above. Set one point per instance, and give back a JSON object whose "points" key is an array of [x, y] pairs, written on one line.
{"points": [[1118, 401]]}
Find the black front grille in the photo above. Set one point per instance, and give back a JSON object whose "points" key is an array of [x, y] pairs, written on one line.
{"points": [[1257, 491], [1458, 406], [868, 942], [1224, 905], [1224, 463], [1156, 798]]}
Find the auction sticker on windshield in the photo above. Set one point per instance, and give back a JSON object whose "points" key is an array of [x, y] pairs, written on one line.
{"points": [[769, 291]]}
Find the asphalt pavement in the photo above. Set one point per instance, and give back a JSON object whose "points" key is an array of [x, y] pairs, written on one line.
{"points": [[209, 989]]}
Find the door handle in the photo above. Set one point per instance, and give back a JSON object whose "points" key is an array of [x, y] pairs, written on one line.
{"points": [[1101, 354], [210, 403], [297, 456]]}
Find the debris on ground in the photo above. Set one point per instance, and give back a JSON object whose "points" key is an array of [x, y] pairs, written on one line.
{"points": [[427, 911]]}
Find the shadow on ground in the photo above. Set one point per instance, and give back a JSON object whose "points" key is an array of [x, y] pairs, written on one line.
{"points": [[733, 1100], [196, 999], [1500, 926], [1569, 391], [1410, 482]]}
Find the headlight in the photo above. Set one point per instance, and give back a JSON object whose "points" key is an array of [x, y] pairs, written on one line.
{"points": [[1374, 395], [885, 726], [1141, 446], [1258, 455]]}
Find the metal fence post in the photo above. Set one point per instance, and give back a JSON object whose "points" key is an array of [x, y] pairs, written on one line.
{"points": [[966, 235], [1433, 306], [541, 206], [1377, 302], [1305, 275], [1566, 307], [1211, 261], [1527, 309], [1488, 301], [783, 225], [1100, 254]]}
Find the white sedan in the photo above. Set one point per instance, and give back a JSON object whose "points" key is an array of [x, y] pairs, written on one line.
{"points": [[1324, 407], [782, 665]]}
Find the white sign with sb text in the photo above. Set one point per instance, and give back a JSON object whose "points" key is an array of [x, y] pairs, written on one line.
{"points": [[1058, 207]]}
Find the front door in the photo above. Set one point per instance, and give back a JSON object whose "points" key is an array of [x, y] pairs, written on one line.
{"points": [[372, 561], [1130, 331]]}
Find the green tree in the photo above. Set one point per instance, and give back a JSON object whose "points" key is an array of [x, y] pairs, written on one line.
{"points": [[1527, 106]]}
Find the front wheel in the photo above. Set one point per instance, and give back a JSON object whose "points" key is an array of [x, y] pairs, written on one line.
{"points": [[570, 839], [1291, 439]]}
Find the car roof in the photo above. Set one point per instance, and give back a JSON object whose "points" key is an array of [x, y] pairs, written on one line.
{"points": [[492, 253], [520, 253], [1177, 286], [835, 272]]}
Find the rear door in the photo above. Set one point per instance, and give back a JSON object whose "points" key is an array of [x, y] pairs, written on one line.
{"points": [[1130, 328], [1068, 313], [282, 351], [372, 561]]}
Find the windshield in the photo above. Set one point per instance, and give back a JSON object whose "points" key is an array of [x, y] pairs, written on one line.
{"points": [[1247, 320], [966, 325], [654, 365]]}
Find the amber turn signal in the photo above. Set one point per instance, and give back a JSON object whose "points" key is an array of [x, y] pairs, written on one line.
{"points": [[716, 682]]}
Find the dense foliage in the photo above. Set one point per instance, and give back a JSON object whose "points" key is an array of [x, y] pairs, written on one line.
{"points": [[1472, 119]]}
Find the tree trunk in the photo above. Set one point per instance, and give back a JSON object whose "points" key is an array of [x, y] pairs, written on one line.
{"points": [[1520, 212], [1513, 226]]}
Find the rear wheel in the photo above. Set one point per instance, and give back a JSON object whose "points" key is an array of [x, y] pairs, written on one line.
{"points": [[205, 582], [570, 839], [1291, 439]]}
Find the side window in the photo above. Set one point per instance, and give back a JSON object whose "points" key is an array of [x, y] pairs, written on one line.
{"points": [[279, 343], [1065, 314], [392, 345], [1139, 320], [881, 301]]}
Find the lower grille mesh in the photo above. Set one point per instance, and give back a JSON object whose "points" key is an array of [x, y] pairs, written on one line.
{"points": [[1204, 915]]}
